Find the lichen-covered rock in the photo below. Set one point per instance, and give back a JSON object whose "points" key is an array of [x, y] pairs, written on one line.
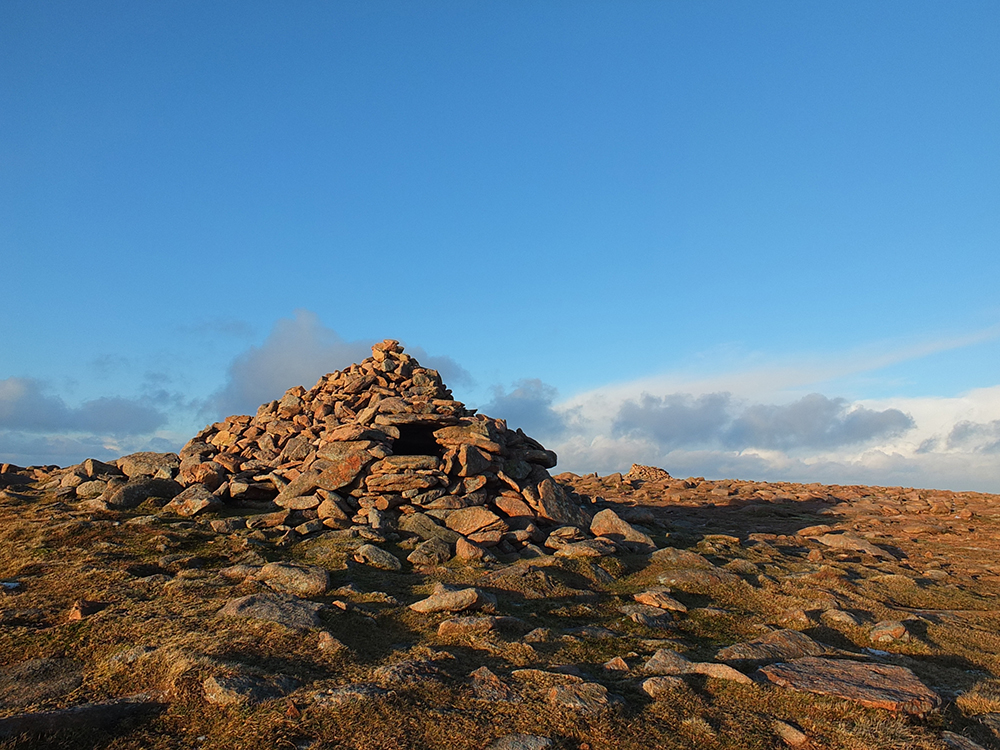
{"points": [[608, 524], [146, 464], [294, 613], [192, 501], [298, 580], [877, 685], [781, 645], [376, 557], [446, 600]]}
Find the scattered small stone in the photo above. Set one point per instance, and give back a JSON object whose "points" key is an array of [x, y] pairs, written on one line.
{"points": [[583, 697], [445, 600], [788, 734], [661, 687], [587, 548], [520, 742], [298, 580], [227, 525], [667, 662], [471, 552], [294, 613], [658, 596], [616, 665], [647, 616], [718, 672], [838, 617], [327, 642], [608, 524], [817, 530], [430, 553], [192, 501], [309, 527], [855, 544], [488, 687], [376, 557], [888, 631], [83, 608]]}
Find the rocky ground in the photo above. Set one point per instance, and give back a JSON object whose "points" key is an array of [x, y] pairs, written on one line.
{"points": [[767, 616], [368, 564]]}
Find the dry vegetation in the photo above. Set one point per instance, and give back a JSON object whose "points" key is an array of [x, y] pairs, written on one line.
{"points": [[159, 584]]}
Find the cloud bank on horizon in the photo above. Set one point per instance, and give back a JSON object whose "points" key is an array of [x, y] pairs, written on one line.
{"points": [[750, 430], [814, 438]]}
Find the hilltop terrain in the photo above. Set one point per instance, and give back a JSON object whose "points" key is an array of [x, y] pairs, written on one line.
{"points": [[369, 564]]}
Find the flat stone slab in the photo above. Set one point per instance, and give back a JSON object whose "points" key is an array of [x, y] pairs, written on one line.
{"points": [[585, 697], [876, 685], [781, 645], [294, 613], [297, 580]]}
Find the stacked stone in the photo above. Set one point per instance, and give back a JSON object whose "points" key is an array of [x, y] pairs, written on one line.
{"points": [[384, 444]]}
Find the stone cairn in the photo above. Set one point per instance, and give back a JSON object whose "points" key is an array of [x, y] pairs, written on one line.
{"points": [[384, 444]]}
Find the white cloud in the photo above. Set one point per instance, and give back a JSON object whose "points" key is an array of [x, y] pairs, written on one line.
{"points": [[298, 351], [813, 421], [529, 406], [945, 443]]}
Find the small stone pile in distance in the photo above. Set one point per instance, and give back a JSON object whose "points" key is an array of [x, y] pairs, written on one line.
{"points": [[384, 444]]}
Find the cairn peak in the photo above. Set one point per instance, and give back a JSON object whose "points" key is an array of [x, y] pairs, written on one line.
{"points": [[380, 443]]}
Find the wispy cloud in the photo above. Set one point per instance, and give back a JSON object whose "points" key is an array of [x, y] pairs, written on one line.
{"points": [[744, 376], [780, 422], [452, 373], [297, 351]]}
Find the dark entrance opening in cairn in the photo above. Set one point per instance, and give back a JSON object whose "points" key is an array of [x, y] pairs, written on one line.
{"points": [[416, 440]]}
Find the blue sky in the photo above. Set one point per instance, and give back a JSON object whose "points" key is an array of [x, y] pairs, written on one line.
{"points": [[568, 207]]}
